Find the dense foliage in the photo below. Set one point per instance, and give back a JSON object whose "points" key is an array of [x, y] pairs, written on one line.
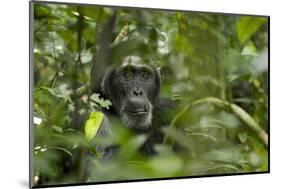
{"points": [[214, 66]]}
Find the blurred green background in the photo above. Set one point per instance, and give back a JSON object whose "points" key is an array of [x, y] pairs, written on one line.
{"points": [[214, 66]]}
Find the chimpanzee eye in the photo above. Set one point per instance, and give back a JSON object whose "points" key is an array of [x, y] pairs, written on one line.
{"points": [[127, 74], [145, 75]]}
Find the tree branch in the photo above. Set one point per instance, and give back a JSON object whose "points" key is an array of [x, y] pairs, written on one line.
{"points": [[237, 110]]}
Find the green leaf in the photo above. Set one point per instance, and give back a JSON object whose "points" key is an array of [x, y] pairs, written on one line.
{"points": [[92, 125], [130, 148], [246, 26], [166, 165], [206, 136], [57, 129], [250, 49], [103, 103], [243, 136], [61, 149]]}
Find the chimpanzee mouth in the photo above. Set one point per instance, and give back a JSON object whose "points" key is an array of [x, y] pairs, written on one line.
{"points": [[136, 107], [138, 112]]}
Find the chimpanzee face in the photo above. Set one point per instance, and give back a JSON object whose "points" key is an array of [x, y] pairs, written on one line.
{"points": [[133, 90]]}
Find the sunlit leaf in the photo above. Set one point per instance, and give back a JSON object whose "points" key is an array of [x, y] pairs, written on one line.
{"points": [[93, 124], [103, 103], [57, 129], [246, 26], [249, 49]]}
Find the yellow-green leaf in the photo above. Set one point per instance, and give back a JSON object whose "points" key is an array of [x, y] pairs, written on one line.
{"points": [[92, 124], [246, 26]]}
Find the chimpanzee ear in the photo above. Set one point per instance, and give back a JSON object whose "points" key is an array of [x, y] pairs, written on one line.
{"points": [[106, 85], [157, 84], [159, 73]]}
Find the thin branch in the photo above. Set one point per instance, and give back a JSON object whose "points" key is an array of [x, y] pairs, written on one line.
{"points": [[237, 110], [121, 35], [53, 81]]}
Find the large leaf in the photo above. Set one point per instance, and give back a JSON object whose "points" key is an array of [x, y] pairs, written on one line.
{"points": [[92, 125], [246, 26]]}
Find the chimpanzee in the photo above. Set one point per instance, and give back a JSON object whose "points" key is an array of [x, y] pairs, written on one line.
{"points": [[134, 90]]}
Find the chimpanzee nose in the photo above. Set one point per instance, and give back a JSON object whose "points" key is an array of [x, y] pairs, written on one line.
{"points": [[137, 91]]}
